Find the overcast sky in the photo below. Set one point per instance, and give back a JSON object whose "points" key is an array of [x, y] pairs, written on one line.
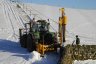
{"points": [[87, 4]]}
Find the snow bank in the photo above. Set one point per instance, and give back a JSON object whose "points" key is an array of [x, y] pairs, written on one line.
{"points": [[49, 58], [85, 62], [33, 57]]}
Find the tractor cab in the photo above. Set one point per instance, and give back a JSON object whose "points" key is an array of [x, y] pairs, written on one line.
{"points": [[40, 25]]}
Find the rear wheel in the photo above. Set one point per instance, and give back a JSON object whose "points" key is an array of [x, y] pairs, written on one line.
{"points": [[31, 46], [23, 40]]}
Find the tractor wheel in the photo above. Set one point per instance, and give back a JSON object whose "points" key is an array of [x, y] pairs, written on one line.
{"points": [[23, 40], [30, 43]]}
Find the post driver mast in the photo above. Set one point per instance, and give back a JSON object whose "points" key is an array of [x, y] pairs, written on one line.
{"points": [[62, 26]]}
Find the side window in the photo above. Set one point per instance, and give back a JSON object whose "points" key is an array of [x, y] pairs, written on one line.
{"points": [[34, 27]]}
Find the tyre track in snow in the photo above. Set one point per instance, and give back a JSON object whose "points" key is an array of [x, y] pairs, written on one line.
{"points": [[14, 20], [8, 26], [19, 20], [21, 14], [16, 16], [15, 25], [9, 14]]}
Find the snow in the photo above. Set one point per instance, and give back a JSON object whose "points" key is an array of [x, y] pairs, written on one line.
{"points": [[12, 53], [34, 56], [49, 58], [80, 22], [85, 62]]}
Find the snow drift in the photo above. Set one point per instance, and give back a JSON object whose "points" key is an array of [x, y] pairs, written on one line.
{"points": [[85, 62], [33, 57]]}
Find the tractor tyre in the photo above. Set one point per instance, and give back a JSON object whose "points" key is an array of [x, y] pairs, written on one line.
{"points": [[23, 40], [30, 43]]}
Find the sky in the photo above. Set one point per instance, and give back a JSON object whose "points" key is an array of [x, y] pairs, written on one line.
{"points": [[87, 4]]}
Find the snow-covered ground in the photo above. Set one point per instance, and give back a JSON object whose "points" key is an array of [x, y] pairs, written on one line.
{"points": [[80, 21], [12, 53], [85, 62]]}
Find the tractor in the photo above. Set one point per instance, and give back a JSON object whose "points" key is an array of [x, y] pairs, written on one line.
{"points": [[37, 36]]}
